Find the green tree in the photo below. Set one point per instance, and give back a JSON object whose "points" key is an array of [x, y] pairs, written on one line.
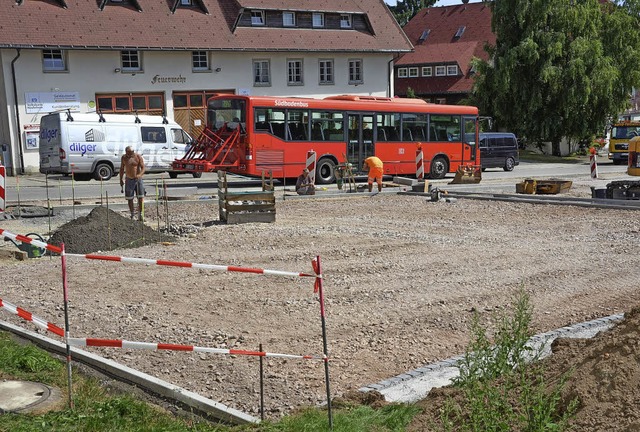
{"points": [[559, 68], [404, 10]]}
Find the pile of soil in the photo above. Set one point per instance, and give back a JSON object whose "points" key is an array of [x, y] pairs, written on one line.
{"points": [[604, 377], [104, 230]]}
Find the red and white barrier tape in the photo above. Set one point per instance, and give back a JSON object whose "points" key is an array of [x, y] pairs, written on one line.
{"points": [[30, 317], [311, 165], [25, 239], [58, 250], [119, 343], [2, 188]]}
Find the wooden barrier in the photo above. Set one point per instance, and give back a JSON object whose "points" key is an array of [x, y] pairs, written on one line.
{"points": [[244, 207]]}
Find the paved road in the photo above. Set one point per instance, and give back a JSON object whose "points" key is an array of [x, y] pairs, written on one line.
{"points": [[34, 187]]}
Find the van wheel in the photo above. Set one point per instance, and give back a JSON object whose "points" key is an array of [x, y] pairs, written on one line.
{"points": [[439, 168], [197, 174], [509, 164], [103, 172], [326, 171], [173, 174]]}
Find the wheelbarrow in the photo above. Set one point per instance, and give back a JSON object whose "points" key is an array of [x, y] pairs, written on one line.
{"points": [[31, 250]]}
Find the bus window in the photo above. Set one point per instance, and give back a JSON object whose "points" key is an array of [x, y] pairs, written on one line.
{"points": [[223, 111], [297, 125], [444, 127], [327, 126], [390, 123], [414, 127]]}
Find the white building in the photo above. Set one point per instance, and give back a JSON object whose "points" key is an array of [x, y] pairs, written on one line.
{"points": [[168, 56]]}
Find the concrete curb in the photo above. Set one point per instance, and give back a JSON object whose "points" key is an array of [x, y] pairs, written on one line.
{"points": [[146, 382], [414, 385]]}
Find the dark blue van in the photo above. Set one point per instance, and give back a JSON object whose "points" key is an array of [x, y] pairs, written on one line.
{"points": [[498, 150]]}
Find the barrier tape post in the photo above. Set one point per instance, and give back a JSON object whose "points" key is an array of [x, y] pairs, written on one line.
{"points": [[318, 287], [419, 164], [46, 179], [311, 165], [2, 182], [261, 386], [593, 162], [73, 194], [66, 323], [18, 195], [108, 221]]}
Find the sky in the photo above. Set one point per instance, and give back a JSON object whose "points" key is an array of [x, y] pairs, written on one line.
{"points": [[438, 3]]}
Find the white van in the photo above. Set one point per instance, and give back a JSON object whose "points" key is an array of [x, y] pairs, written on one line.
{"points": [[92, 145]]}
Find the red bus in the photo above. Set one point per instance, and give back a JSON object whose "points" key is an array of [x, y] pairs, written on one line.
{"points": [[251, 135]]}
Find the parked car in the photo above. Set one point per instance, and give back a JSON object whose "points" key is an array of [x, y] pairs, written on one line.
{"points": [[498, 150]]}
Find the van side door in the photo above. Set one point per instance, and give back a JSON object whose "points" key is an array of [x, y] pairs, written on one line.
{"points": [[180, 142]]}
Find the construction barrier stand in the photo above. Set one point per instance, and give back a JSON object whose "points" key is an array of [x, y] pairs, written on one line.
{"points": [[2, 188], [311, 165]]}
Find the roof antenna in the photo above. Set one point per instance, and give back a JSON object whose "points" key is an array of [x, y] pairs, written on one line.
{"points": [[135, 113], [101, 119], [69, 118], [164, 118]]}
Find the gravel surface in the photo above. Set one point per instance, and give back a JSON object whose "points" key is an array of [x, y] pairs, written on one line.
{"points": [[402, 279]]}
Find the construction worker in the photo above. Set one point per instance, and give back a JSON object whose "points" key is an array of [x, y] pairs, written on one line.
{"points": [[304, 186], [375, 166], [132, 165]]}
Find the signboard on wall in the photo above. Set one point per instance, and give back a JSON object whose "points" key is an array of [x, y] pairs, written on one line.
{"points": [[36, 103], [31, 140]]}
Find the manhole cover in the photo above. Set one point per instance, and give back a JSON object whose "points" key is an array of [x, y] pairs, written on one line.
{"points": [[22, 396]]}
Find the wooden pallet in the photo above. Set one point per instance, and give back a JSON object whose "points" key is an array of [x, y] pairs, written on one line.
{"points": [[244, 207]]}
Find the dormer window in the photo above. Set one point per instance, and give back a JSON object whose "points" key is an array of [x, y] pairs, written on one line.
{"points": [[345, 21], [459, 33], [424, 35], [186, 2], [288, 19], [257, 18], [317, 19]]}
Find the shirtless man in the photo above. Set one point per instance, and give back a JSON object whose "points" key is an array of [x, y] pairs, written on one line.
{"points": [[133, 165]]}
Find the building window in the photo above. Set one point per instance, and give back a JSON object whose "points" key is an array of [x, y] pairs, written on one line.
{"points": [[130, 61], [257, 18], [294, 72], [345, 21], [317, 19], [261, 74], [200, 61], [326, 71], [53, 60], [413, 72], [355, 71], [149, 103], [288, 19], [441, 70], [186, 2], [452, 70], [402, 72], [427, 71]]}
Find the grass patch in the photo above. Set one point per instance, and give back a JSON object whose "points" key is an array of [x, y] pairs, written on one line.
{"points": [[531, 156], [98, 409], [503, 388]]}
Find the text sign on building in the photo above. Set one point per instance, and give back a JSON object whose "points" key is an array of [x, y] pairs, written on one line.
{"points": [[36, 103]]}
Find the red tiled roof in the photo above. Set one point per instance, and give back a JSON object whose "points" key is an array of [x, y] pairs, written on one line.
{"points": [[442, 47], [40, 24]]}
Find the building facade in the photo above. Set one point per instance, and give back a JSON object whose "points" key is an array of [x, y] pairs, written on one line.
{"points": [[168, 56]]}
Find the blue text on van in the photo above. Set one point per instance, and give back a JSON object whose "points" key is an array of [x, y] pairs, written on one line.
{"points": [[48, 134], [82, 148]]}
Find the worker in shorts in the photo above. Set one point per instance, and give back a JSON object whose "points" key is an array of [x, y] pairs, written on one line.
{"points": [[132, 164], [375, 167], [304, 185]]}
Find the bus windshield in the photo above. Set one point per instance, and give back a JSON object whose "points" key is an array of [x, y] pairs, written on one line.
{"points": [[221, 111]]}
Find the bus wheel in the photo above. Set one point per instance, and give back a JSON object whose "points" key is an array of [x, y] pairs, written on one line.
{"points": [[439, 168], [196, 174], [173, 174], [103, 172], [325, 171]]}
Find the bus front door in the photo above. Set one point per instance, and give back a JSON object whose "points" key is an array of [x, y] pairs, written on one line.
{"points": [[361, 144]]}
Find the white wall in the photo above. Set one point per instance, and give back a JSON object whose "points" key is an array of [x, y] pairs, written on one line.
{"points": [[91, 72]]}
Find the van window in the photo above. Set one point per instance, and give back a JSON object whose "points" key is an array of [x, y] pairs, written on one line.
{"points": [[152, 134], [180, 136]]}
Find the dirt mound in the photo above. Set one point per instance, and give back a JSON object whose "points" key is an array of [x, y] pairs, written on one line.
{"points": [[104, 230], [604, 378]]}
